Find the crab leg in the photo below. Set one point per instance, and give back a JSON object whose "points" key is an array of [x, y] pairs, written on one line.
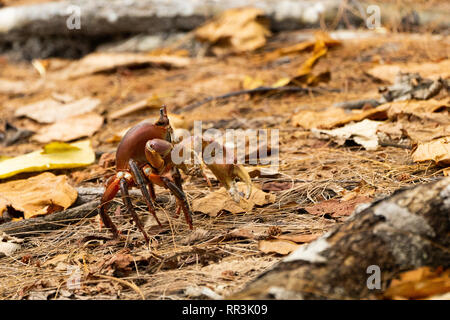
{"points": [[181, 199], [141, 182], [126, 200], [112, 188]]}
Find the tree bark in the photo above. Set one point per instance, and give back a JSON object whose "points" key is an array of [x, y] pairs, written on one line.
{"points": [[402, 232]]}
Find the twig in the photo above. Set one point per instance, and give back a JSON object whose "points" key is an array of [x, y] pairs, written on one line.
{"points": [[86, 207], [197, 104], [127, 283]]}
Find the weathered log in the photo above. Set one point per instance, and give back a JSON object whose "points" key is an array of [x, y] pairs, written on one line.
{"points": [[85, 207], [74, 28], [407, 230]]}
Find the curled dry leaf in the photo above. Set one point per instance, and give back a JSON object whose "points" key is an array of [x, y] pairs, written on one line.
{"points": [[56, 155], [84, 125], [39, 195], [302, 46], [52, 110], [304, 73], [435, 150], [240, 29], [283, 247], [220, 200], [104, 61]]}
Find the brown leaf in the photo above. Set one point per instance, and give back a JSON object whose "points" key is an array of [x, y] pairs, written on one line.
{"points": [[152, 102], [220, 200], [431, 70], [299, 238], [420, 283], [105, 61], [84, 125], [335, 117], [240, 29], [39, 195], [277, 246], [420, 108], [18, 87], [436, 150], [337, 208], [302, 46], [276, 186], [51, 110]]}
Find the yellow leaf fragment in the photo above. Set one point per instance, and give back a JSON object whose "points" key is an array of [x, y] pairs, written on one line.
{"points": [[240, 29], [220, 200], [41, 194], [251, 83], [56, 155], [436, 150], [283, 247]]}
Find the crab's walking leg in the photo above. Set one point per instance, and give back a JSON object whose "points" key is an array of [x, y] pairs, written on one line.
{"points": [[111, 190], [142, 184], [181, 199], [127, 201]]}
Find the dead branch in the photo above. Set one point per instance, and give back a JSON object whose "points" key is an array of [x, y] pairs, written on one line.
{"points": [[197, 104], [85, 207], [402, 232]]}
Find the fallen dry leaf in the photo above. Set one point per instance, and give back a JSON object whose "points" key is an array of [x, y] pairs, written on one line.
{"points": [[152, 102], [56, 155], [304, 73], [220, 200], [42, 194], [431, 70], [302, 46], [337, 208], [420, 130], [435, 150], [419, 284], [240, 29], [105, 61], [363, 133], [84, 125], [299, 238], [18, 87], [431, 109], [283, 247], [52, 110], [335, 117]]}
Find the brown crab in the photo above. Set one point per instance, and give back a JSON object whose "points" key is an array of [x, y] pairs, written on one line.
{"points": [[144, 158]]}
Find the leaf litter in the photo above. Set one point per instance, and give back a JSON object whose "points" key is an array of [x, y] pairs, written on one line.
{"points": [[223, 252]]}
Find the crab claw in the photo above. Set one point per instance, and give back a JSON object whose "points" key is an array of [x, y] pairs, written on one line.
{"points": [[227, 173]]}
